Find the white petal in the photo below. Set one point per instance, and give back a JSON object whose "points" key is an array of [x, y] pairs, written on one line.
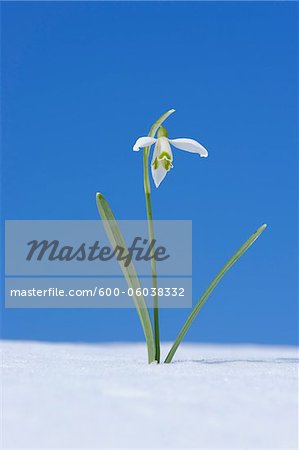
{"points": [[145, 141], [157, 150], [190, 145], [162, 145], [158, 174]]}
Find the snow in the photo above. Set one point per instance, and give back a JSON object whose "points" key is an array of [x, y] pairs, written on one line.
{"points": [[106, 396]]}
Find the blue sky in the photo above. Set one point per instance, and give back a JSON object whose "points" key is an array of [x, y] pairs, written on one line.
{"points": [[81, 81]]}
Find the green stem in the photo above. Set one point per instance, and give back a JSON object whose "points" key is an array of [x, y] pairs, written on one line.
{"points": [[147, 191]]}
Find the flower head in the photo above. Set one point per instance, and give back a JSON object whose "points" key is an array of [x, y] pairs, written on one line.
{"points": [[162, 161]]}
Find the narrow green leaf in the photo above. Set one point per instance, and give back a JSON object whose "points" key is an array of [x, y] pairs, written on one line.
{"points": [[116, 238], [159, 122], [209, 290]]}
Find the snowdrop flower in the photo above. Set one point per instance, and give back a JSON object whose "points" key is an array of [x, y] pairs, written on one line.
{"points": [[162, 156]]}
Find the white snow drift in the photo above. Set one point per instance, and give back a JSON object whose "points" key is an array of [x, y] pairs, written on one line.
{"points": [[105, 396]]}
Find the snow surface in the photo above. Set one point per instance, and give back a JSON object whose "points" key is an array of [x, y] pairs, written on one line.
{"points": [[106, 396]]}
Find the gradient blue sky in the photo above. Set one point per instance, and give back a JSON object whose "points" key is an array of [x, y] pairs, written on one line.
{"points": [[80, 81]]}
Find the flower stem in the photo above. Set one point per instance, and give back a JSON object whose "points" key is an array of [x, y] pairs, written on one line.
{"points": [[147, 191]]}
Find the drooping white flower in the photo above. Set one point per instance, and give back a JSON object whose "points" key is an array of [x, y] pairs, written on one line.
{"points": [[162, 156]]}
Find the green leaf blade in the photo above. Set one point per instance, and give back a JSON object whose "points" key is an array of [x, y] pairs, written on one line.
{"points": [[159, 122], [210, 288], [129, 272]]}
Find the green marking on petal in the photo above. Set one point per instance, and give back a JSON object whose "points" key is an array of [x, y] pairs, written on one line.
{"points": [[155, 164], [165, 155], [166, 164]]}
